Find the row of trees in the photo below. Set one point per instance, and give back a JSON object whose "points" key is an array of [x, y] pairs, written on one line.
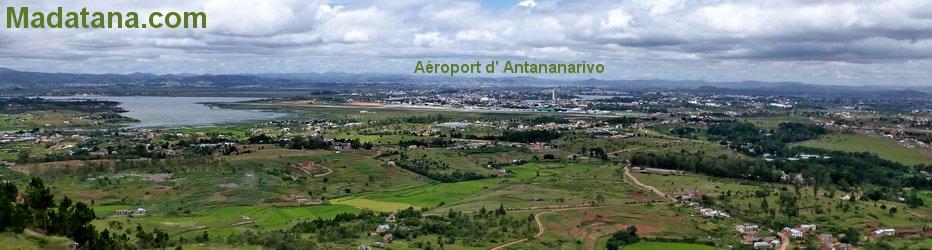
{"points": [[317, 142], [840, 168], [474, 229], [433, 169], [21, 105], [529, 136], [752, 140]]}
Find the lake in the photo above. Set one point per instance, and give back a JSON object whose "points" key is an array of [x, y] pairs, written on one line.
{"points": [[175, 112]]}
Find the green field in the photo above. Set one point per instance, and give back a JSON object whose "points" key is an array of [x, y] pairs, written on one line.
{"points": [[926, 198], [382, 206], [884, 148], [224, 220], [8, 156], [433, 195], [743, 202], [593, 226], [31, 240], [666, 246]]}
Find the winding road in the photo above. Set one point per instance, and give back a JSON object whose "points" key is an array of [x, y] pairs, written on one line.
{"points": [[540, 231], [638, 183], [329, 171], [784, 241], [540, 225]]}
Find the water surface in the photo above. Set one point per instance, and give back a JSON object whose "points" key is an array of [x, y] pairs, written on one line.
{"points": [[175, 112]]}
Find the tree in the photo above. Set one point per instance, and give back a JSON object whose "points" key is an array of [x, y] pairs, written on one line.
{"points": [[852, 236], [913, 200], [623, 238], [22, 156], [39, 199], [8, 211], [788, 204], [70, 219]]}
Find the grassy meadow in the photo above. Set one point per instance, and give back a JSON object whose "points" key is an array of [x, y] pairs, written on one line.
{"points": [[883, 147]]}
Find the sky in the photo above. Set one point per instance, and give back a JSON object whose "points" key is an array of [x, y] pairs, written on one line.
{"points": [[814, 41]]}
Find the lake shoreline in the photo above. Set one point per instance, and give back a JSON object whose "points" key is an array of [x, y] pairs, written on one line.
{"points": [[163, 112]]}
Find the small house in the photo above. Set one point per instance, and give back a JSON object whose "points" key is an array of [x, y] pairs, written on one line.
{"points": [[383, 228], [388, 238], [827, 241], [761, 245], [137, 212], [807, 227], [884, 232], [390, 218], [747, 228]]}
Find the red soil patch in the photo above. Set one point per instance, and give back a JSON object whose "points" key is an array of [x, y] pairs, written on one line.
{"points": [[160, 188], [588, 214], [309, 166], [921, 214], [601, 223], [575, 232], [639, 197], [556, 229], [392, 173], [218, 197], [573, 222]]}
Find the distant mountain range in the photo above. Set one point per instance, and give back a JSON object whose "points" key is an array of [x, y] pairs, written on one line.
{"points": [[23, 79]]}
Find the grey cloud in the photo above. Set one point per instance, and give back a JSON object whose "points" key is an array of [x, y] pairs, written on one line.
{"points": [[675, 39]]}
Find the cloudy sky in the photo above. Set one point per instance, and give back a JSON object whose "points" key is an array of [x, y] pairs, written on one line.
{"points": [[824, 42]]}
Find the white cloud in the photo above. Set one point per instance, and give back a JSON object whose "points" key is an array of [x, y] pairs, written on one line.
{"points": [[431, 39], [527, 4], [816, 41]]}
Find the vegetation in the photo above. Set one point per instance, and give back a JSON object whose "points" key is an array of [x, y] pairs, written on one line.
{"points": [[623, 238], [327, 177], [39, 211], [749, 139], [884, 148]]}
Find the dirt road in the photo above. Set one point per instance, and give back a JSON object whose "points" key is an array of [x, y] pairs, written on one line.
{"points": [[540, 225], [638, 183], [784, 242], [540, 231]]}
